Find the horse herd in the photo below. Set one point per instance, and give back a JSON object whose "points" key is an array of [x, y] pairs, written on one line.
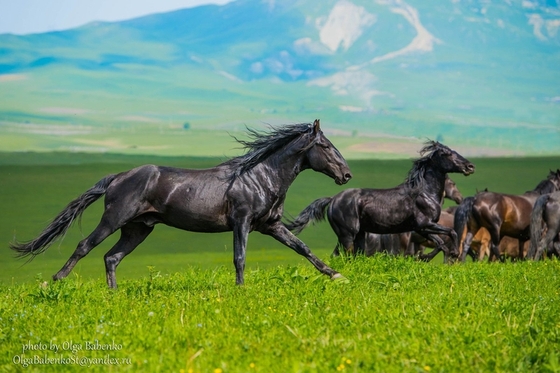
{"points": [[247, 193]]}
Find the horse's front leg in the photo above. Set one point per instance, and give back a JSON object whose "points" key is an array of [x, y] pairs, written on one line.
{"points": [[240, 234], [521, 245], [279, 232], [431, 232], [440, 246]]}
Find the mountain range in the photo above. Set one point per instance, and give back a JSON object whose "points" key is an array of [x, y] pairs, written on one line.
{"points": [[480, 74]]}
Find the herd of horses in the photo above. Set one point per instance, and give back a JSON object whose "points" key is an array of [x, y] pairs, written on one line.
{"points": [[247, 193]]}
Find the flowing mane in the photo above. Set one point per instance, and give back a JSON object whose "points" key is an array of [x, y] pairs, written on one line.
{"points": [[262, 145], [548, 185], [415, 176]]}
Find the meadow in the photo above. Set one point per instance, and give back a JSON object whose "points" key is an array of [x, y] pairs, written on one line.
{"points": [[177, 308]]}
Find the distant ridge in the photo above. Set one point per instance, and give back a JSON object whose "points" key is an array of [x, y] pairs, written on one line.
{"points": [[477, 74]]}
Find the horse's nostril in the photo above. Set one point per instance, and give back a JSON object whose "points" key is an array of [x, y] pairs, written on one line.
{"points": [[347, 176]]}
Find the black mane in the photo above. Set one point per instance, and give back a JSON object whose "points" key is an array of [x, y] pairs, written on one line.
{"points": [[415, 176], [547, 185], [262, 145]]}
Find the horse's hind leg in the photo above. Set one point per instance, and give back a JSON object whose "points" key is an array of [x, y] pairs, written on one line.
{"points": [[346, 240], [360, 243], [102, 231], [346, 231], [132, 235], [466, 245], [495, 244]]}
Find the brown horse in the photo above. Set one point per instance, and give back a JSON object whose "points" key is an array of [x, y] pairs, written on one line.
{"points": [[501, 214], [480, 246]]}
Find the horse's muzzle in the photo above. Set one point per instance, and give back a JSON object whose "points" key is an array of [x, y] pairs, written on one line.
{"points": [[340, 181], [469, 169]]}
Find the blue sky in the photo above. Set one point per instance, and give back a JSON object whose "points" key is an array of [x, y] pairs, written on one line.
{"points": [[35, 16]]}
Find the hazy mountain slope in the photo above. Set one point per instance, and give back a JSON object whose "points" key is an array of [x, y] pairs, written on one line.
{"points": [[481, 73]]}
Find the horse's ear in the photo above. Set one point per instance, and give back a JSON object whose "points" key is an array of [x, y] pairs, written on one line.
{"points": [[316, 126]]}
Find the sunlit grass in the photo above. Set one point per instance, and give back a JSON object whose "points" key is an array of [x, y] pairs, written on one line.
{"points": [[393, 315]]}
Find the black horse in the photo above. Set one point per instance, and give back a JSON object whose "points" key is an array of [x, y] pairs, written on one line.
{"points": [[414, 205], [243, 194], [545, 226], [409, 243]]}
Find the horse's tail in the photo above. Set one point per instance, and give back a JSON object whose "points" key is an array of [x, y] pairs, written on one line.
{"points": [[537, 225], [314, 212], [461, 218], [62, 221]]}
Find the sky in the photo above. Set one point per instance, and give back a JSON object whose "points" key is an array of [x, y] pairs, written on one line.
{"points": [[22, 17]]}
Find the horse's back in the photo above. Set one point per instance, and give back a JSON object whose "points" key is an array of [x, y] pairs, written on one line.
{"points": [[183, 198], [374, 210], [508, 212]]}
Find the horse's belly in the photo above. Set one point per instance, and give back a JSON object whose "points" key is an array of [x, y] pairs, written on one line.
{"points": [[386, 226], [208, 219]]}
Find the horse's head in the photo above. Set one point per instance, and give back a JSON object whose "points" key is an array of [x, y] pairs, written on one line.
{"points": [[452, 192], [554, 177], [449, 160], [323, 156]]}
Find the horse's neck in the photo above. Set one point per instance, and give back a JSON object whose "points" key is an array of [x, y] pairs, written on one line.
{"points": [[283, 168], [546, 186], [434, 185]]}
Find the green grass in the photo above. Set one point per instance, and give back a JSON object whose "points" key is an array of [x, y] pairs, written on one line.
{"points": [[393, 315]]}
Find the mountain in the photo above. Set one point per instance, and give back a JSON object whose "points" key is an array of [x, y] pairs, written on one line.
{"points": [[481, 74]]}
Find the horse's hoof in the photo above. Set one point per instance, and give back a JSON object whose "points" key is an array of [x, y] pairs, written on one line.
{"points": [[337, 277]]}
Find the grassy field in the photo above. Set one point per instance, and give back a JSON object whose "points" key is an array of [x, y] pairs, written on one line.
{"points": [[177, 308], [394, 315]]}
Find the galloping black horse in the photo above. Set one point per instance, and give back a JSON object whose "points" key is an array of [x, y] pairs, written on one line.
{"points": [[414, 205], [243, 194], [407, 243]]}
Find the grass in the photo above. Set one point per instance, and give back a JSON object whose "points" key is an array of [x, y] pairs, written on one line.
{"points": [[393, 315]]}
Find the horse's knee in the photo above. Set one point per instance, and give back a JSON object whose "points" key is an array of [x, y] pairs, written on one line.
{"points": [[111, 261]]}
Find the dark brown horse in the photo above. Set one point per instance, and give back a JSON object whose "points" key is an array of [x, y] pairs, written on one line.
{"points": [[501, 214], [545, 226], [414, 205], [241, 195]]}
